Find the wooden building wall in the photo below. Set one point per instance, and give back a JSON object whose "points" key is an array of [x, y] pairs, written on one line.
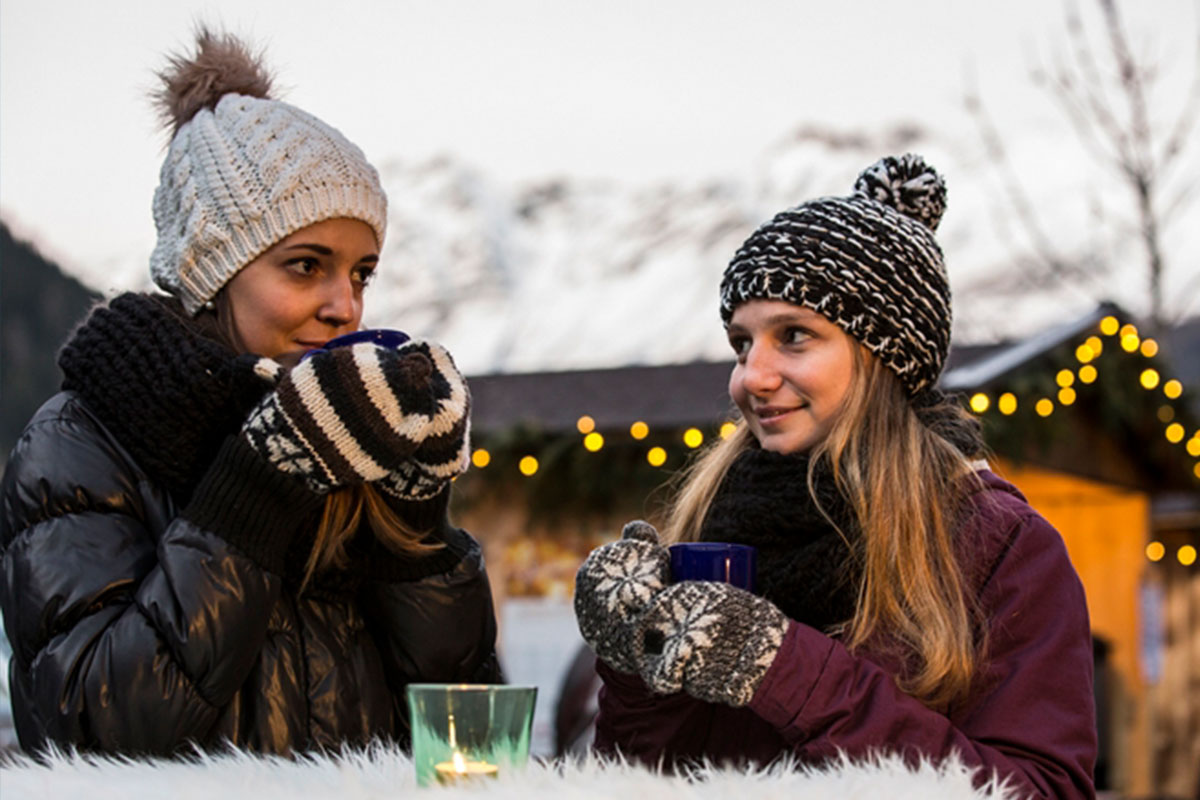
{"points": [[1175, 695], [1106, 529]]}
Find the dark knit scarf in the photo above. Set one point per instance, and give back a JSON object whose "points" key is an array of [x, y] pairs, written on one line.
{"points": [[805, 567], [168, 393], [171, 394]]}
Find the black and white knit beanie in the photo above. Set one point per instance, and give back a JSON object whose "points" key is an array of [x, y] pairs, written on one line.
{"points": [[868, 262]]}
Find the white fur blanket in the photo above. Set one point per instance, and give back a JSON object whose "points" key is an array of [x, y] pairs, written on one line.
{"points": [[381, 772]]}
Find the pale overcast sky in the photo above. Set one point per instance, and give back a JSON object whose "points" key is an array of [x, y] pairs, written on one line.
{"points": [[632, 91]]}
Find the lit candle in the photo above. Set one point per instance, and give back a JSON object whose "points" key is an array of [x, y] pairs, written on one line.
{"points": [[459, 769]]}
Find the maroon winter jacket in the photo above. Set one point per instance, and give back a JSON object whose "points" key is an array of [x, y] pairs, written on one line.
{"points": [[1030, 715]]}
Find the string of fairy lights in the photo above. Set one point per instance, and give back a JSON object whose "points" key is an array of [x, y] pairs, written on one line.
{"points": [[1126, 339], [1122, 338], [593, 441], [1150, 378]]}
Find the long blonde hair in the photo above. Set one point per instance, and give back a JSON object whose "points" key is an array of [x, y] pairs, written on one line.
{"points": [[344, 507], [341, 518], [904, 483]]}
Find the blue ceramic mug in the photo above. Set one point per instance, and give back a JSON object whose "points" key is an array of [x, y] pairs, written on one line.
{"points": [[384, 337], [735, 564]]}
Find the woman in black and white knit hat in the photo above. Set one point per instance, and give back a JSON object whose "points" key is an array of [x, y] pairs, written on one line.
{"points": [[220, 532], [910, 599]]}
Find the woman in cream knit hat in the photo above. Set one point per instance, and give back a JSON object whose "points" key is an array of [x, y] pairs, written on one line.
{"points": [[219, 531]]}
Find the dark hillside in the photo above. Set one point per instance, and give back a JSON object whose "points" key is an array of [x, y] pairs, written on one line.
{"points": [[39, 305]]}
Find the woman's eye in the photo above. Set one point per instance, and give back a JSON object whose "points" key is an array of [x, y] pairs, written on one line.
{"points": [[364, 274], [302, 266], [740, 345], [795, 335]]}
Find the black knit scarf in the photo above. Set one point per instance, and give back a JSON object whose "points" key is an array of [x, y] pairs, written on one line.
{"points": [[167, 392], [805, 566]]}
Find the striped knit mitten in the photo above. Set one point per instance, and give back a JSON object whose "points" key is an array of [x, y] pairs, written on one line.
{"points": [[711, 640], [362, 413], [614, 585]]}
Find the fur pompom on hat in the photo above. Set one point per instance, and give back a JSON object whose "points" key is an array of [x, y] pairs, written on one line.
{"points": [[244, 171], [869, 263]]}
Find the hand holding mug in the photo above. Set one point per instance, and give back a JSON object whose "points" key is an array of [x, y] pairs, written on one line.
{"points": [[356, 413], [614, 585]]}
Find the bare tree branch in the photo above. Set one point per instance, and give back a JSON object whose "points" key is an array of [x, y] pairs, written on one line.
{"points": [[1050, 260], [1177, 140], [1103, 87], [1087, 87]]}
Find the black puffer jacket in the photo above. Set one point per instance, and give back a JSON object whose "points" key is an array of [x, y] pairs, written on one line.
{"points": [[147, 613]]}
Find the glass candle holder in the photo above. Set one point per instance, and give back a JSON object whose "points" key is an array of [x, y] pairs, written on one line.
{"points": [[466, 731]]}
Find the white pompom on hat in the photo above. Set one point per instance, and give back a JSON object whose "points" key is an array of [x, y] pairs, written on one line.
{"points": [[244, 171]]}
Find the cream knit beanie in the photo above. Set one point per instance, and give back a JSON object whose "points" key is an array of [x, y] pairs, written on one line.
{"points": [[244, 171]]}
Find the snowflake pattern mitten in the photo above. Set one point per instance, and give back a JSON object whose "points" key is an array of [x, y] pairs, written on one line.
{"points": [[711, 640], [614, 585]]}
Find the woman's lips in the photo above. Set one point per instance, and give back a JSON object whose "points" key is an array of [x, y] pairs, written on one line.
{"points": [[773, 415]]}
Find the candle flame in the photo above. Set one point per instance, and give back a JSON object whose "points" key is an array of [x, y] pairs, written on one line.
{"points": [[460, 763]]}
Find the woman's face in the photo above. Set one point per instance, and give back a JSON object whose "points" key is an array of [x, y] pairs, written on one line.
{"points": [[794, 368], [305, 290]]}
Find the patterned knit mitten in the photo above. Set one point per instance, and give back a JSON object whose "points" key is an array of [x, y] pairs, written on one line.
{"points": [[711, 640], [356, 414], [615, 584]]}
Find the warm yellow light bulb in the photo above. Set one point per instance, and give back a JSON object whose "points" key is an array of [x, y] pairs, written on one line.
{"points": [[1165, 414], [1109, 326], [593, 441], [727, 429], [1066, 395], [980, 402], [1128, 329], [1096, 344], [1130, 342], [1193, 448], [1174, 433], [1186, 555], [1007, 403], [693, 438], [1149, 378], [1084, 354], [1044, 407], [1149, 348], [1087, 373], [528, 465], [1173, 389], [656, 456], [585, 424], [1064, 377], [481, 458], [639, 430], [1155, 551]]}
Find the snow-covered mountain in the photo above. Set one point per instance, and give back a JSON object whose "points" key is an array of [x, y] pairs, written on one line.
{"points": [[568, 274]]}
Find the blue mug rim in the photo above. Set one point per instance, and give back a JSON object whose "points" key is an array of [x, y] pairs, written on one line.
{"points": [[746, 556], [712, 546], [383, 337]]}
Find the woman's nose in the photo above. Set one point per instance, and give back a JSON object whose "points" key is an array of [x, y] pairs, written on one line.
{"points": [[339, 303], [760, 373]]}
